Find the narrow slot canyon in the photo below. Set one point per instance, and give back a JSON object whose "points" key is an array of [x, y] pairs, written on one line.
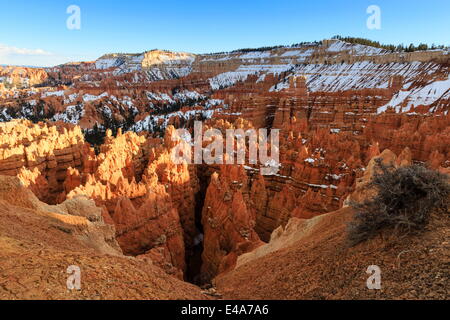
{"points": [[194, 258]]}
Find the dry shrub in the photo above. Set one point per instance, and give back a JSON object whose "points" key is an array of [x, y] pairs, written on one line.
{"points": [[406, 198]]}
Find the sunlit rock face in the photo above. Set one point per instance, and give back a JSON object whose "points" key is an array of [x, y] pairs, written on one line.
{"points": [[40, 154]]}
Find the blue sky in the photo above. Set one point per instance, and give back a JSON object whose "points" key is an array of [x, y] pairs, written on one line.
{"points": [[34, 32]]}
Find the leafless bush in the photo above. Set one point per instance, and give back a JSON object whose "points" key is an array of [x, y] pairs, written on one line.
{"points": [[405, 199]]}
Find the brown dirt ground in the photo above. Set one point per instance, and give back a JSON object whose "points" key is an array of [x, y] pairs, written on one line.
{"points": [[322, 266]]}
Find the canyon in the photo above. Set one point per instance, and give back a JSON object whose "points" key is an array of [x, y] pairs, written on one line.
{"points": [[87, 146]]}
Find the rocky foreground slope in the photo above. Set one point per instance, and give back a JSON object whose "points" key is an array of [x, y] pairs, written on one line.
{"points": [[312, 258], [39, 242], [318, 264]]}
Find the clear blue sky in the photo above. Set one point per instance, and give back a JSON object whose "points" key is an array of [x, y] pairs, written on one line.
{"points": [[34, 32]]}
